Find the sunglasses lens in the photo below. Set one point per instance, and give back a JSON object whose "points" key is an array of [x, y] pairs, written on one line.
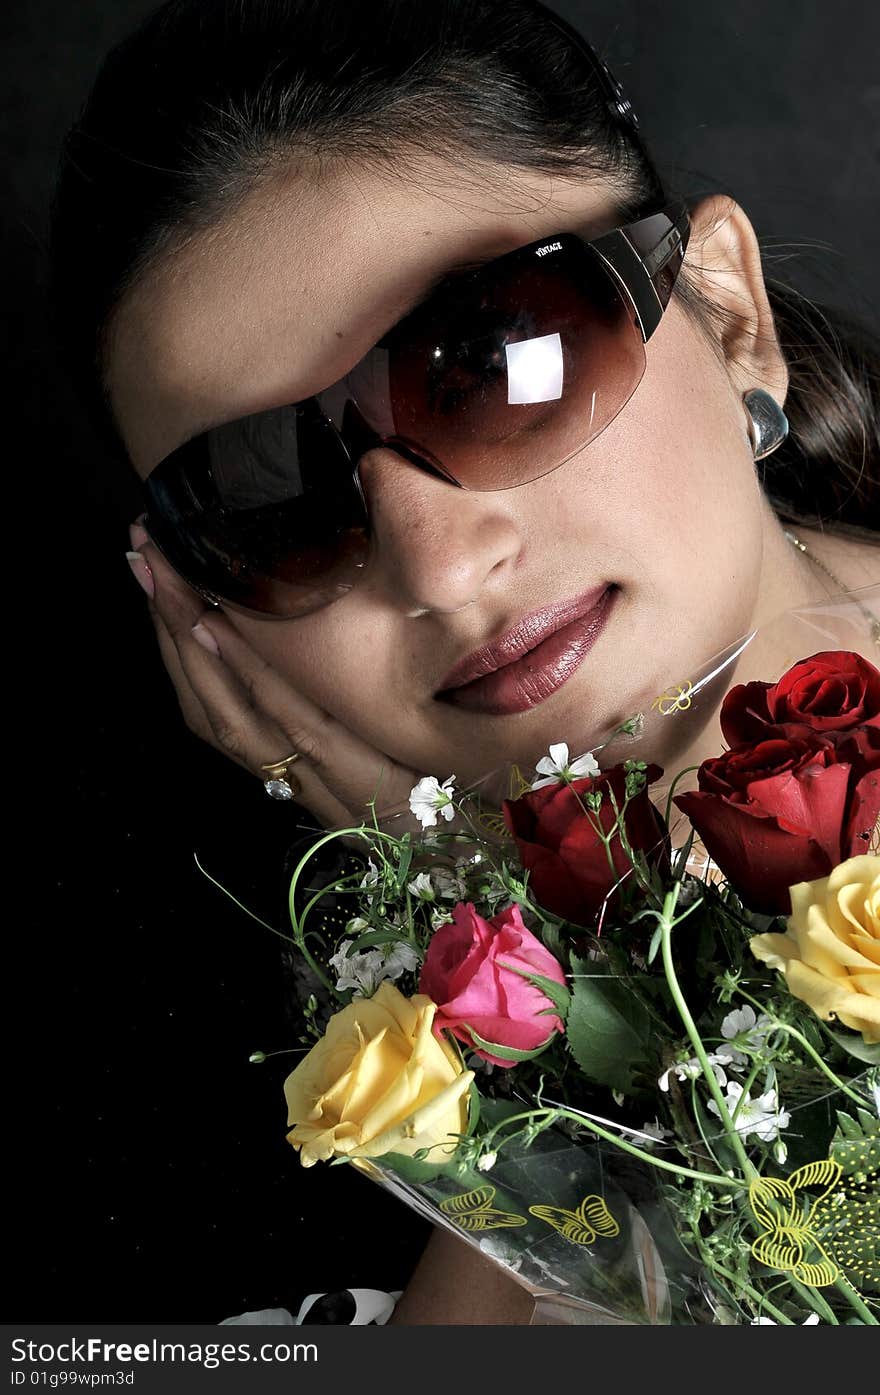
{"points": [[263, 512], [492, 384], [510, 376]]}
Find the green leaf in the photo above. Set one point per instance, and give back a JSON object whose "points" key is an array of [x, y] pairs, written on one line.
{"points": [[506, 1053], [556, 992], [681, 858], [848, 1127], [654, 946], [473, 1108], [856, 1145], [412, 1170], [553, 940], [406, 856], [606, 1042], [371, 938], [855, 1045]]}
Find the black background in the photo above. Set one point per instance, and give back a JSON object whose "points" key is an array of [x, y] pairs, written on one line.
{"points": [[151, 1180]]}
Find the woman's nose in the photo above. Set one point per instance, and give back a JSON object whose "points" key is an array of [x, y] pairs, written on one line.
{"points": [[435, 546]]}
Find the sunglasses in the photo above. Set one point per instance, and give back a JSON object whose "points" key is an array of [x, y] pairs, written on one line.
{"points": [[501, 375]]}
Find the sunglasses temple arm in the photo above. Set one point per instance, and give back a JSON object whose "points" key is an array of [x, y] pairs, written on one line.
{"points": [[645, 258], [668, 254]]}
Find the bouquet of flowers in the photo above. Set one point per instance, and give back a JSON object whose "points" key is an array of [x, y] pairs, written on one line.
{"points": [[627, 1045]]}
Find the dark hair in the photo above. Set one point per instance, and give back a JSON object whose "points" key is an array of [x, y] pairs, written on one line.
{"points": [[209, 97]]}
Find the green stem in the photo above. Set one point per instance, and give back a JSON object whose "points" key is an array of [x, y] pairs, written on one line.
{"points": [[813, 1299], [265, 924], [802, 1040], [697, 1112], [620, 828], [685, 913], [584, 1122], [595, 823], [750, 1080], [300, 867], [760, 1302], [687, 770], [338, 886], [666, 921], [296, 923], [856, 1302]]}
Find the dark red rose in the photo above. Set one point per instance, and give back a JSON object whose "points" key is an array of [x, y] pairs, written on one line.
{"points": [[781, 810], [569, 871], [831, 693]]}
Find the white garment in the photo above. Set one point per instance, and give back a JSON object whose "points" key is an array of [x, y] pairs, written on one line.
{"points": [[371, 1305]]}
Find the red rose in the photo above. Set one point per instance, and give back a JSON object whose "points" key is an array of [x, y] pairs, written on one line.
{"points": [[778, 811], [832, 693], [568, 866], [474, 971]]}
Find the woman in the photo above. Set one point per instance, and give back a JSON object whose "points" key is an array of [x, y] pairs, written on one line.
{"points": [[431, 484]]}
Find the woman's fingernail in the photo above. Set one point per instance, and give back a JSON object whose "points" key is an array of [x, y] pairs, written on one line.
{"points": [[140, 568], [205, 638]]}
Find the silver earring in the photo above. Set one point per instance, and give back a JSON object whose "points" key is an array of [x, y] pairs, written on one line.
{"points": [[768, 424]]}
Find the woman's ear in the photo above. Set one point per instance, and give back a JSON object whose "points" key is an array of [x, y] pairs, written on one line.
{"points": [[725, 262]]}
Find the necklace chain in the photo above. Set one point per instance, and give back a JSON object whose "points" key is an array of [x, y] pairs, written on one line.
{"points": [[873, 621]]}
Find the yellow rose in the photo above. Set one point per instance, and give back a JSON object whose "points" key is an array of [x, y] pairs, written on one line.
{"points": [[378, 1082], [831, 953]]}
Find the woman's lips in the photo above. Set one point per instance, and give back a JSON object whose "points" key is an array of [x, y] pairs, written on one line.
{"points": [[533, 660]]}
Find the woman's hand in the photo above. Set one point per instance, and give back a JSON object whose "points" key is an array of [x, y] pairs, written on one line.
{"points": [[233, 699]]}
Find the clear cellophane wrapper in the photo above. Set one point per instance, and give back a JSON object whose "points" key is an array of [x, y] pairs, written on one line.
{"points": [[581, 1226]]}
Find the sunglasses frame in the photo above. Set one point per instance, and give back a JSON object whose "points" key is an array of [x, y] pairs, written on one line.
{"points": [[643, 258]]}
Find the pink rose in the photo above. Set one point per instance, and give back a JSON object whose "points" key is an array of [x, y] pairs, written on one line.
{"points": [[474, 971]]}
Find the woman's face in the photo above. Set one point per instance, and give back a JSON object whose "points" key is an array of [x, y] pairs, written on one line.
{"points": [[663, 506]]}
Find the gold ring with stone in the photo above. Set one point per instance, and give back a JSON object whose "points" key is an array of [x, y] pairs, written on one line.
{"points": [[279, 783]]}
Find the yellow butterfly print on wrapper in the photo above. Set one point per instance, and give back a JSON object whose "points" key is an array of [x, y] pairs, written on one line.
{"points": [[790, 1235], [490, 819], [679, 701], [473, 1211], [591, 1219]]}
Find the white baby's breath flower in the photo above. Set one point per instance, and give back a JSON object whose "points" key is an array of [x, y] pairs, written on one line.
{"points": [[356, 926], [371, 876], [770, 1322], [463, 863], [691, 1069], [743, 1027], [360, 971], [421, 887], [763, 1116], [402, 959], [365, 971], [448, 885], [655, 1130], [487, 1161], [429, 798], [557, 767]]}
